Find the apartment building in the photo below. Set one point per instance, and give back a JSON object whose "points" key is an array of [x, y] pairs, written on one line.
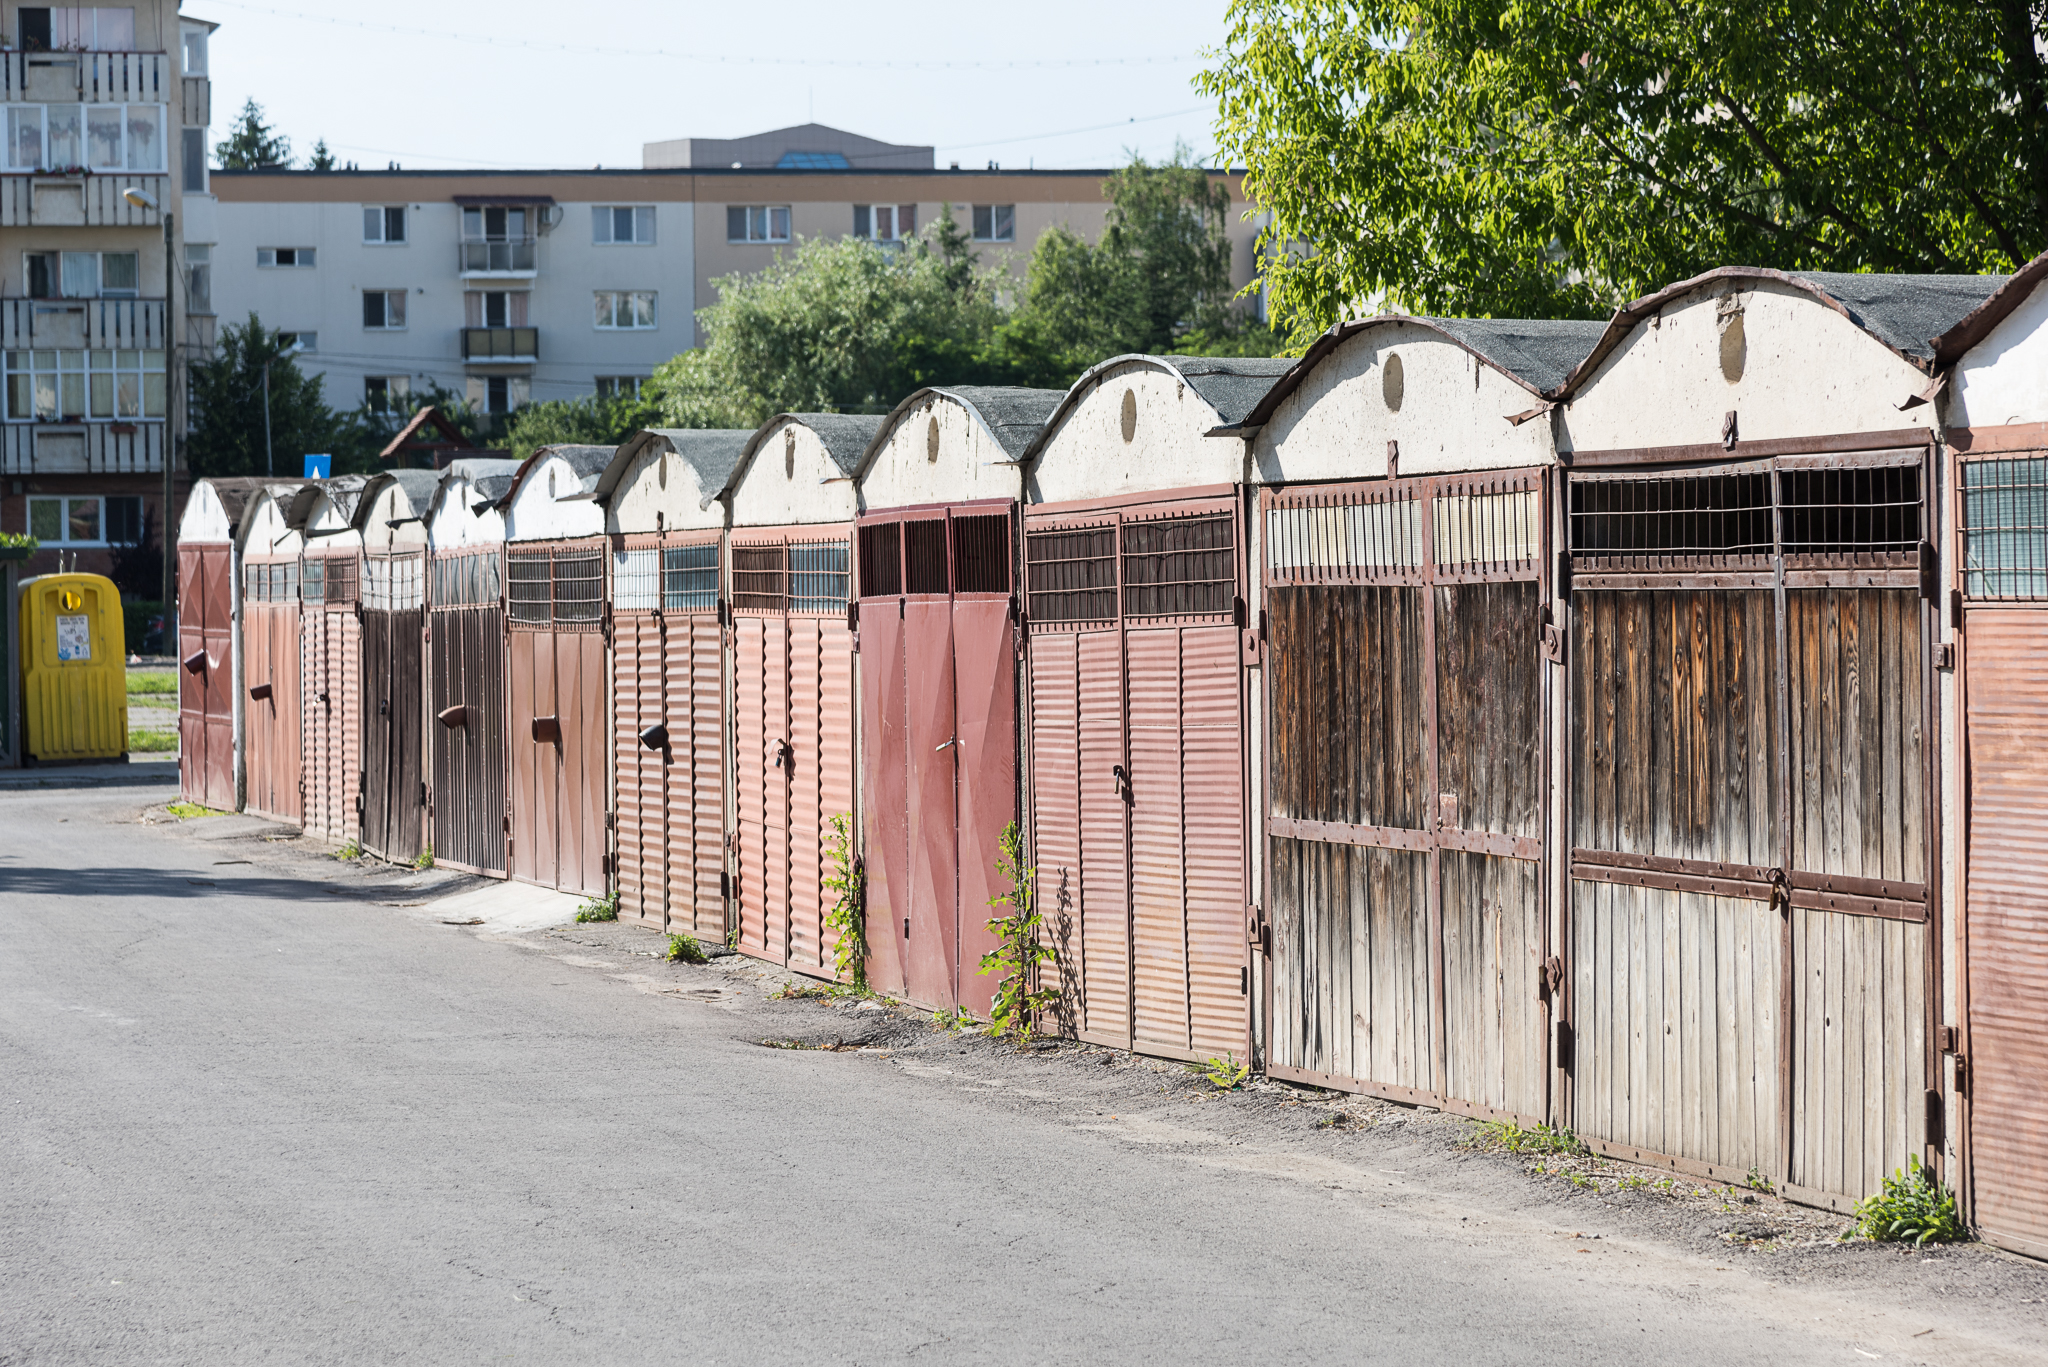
{"points": [[106, 114], [518, 286]]}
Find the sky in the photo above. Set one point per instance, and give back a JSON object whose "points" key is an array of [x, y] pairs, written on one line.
{"points": [[515, 83]]}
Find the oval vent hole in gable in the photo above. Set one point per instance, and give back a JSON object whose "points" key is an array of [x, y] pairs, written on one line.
{"points": [[931, 438], [1130, 414], [1393, 384]]}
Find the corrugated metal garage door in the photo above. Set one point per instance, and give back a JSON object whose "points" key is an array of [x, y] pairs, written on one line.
{"points": [[466, 697], [2004, 507], [206, 701], [272, 714], [330, 655], [1136, 771], [557, 722], [394, 700], [939, 741]]}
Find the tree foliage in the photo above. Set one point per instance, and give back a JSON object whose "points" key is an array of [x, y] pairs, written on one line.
{"points": [[252, 144], [227, 411], [1556, 157], [320, 159], [593, 420]]}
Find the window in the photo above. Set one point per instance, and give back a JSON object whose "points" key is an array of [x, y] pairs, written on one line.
{"points": [[87, 521], [67, 386], [384, 223], [757, 223], [387, 393], [99, 137], [304, 341], [81, 275], [192, 160], [498, 393], [494, 308], [198, 278], [2005, 523], [689, 578], [497, 237], [300, 258], [625, 310], [195, 52], [885, 222], [813, 161], [995, 223], [622, 224], [384, 308], [74, 28], [619, 386]]}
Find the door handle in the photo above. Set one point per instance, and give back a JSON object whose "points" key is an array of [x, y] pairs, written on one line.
{"points": [[1123, 781], [947, 746], [785, 755], [547, 730]]}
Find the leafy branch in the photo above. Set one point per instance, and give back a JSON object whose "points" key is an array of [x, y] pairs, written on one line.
{"points": [[1018, 949], [849, 915]]}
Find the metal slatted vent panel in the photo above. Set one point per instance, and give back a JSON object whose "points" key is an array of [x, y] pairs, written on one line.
{"points": [[881, 560], [393, 583], [689, 578], [579, 588], [270, 583], [760, 578], [1488, 526], [924, 556], [313, 581], [341, 581], [466, 581], [1865, 517], [2005, 528], [819, 576], [529, 593], [981, 554], [636, 580], [1070, 574], [1718, 520], [1345, 536], [1179, 567]]}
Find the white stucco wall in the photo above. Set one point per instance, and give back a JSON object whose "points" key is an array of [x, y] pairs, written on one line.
{"points": [[1452, 415], [2004, 378], [264, 532], [452, 526], [338, 533], [389, 504], [792, 480], [537, 512], [204, 518], [1806, 371], [956, 465], [660, 482], [1086, 456]]}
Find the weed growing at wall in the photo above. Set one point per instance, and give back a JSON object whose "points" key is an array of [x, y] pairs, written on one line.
{"points": [[1505, 1136], [599, 909], [352, 850], [426, 859], [1226, 1074], [1911, 1208], [684, 949], [1018, 949], [849, 915], [184, 810]]}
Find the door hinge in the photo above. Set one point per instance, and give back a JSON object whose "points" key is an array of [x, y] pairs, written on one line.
{"points": [[1552, 979], [423, 792], [1948, 1038], [725, 886], [853, 614], [610, 821], [1936, 1113], [1930, 573], [1563, 587], [1962, 1076], [1244, 981], [1944, 655], [1553, 640], [1239, 618], [1564, 1046], [1955, 609]]}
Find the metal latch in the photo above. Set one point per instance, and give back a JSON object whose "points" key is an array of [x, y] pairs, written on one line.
{"points": [[785, 755], [655, 737], [1553, 978], [547, 730], [1122, 778], [947, 745]]}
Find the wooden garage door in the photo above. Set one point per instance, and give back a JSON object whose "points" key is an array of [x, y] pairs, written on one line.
{"points": [[558, 705], [271, 714], [466, 701], [206, 701], [394, 703], [330, 657]]}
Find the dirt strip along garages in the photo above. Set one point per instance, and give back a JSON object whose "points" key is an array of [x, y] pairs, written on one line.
{"points": [[468, 818], [1134, 771], [271, 713], [206, 634], [939, 640], [1405, 916], [1998, 452], [793, 678], [558, 712], [1754, 967], [391, 519], [663, 511], [330, 657]]}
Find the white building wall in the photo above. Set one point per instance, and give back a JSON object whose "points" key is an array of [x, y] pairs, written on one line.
{"points": [[204, 518], [390, 505], [265, 534], [939, 451], [1087, 455], [2004, 378], [791, 480], [452, 526], [537, 511], [660, 492]]}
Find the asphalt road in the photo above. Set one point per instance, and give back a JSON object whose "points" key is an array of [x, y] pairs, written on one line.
{"points": [[244, 1124]]}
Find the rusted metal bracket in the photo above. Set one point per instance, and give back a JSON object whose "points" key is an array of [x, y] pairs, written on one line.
{"points": [[453, 717], [1551, 979], [1944, 655], [1553, 643], [655, 737], [259, 692]]}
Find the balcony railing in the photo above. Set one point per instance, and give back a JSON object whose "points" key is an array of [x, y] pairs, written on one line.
{"points": [[61, 199], [497, 258], [91, 77], [116, 324], [501, 344]]}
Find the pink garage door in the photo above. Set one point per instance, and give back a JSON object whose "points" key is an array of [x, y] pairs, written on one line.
{"points": [[938, 672], [271, 712], [556, 722], [1135, 777], [206, 700], [330, 681], [793, 728]]}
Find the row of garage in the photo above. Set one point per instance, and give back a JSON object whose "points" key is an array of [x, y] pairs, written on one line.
{"points": [[1634, 727]]}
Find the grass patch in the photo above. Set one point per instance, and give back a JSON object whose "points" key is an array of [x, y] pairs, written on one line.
{"points": [[1505, 1136], [1912, 1207], [684, 949], [155, 683], [184, 811], [153, 742], [599, 909], [794, 991], [1225, 1074]]}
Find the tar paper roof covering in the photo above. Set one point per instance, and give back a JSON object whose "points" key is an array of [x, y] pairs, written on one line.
{"points": [[713, 452], [418, 486], [491, 490], [1232, 385], [236, 493], [1014, 416], [342, 493], [846, 435]]}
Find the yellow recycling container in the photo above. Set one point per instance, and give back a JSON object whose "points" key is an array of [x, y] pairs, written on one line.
{"points": [[74, 669]]}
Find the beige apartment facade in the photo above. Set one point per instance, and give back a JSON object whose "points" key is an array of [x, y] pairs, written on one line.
{"points": [[102, 106]]}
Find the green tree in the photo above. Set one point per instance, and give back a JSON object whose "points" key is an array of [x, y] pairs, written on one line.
{"points": [[252, 145], [228, 402], [593, 420], [1555, 157], [321, 159]]}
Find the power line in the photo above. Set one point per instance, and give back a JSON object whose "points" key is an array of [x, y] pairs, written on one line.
{"points": [[715, 59]]}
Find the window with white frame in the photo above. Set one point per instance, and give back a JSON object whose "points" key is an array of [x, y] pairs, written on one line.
{"points": [[757, 223], [192, 160], [384, 309], [299, 341], [92, 137], [198, 277], [290, 258], [195, 52], [498, 393], [77, 28], [495, 308], [384, 224], [625, 310], [995, 223], [65, 385], [387, 393], [622, 225], [85, 520], [81, 275], [619, 386], [885, 222]]}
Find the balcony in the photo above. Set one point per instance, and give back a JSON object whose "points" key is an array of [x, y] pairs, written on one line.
{"points": [[112, 324], [507, 260], [87, 77], [500, 344], [79, 199]]}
